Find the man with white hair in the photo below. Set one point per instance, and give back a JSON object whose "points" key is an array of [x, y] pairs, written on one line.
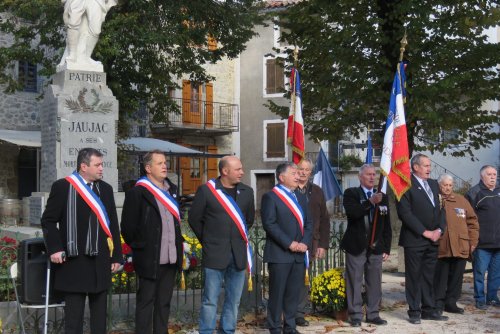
{"points": [[485, 199]]}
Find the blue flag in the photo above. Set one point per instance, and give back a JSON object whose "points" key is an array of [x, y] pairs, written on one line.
{"points": [[369, 150], [324, 177]]}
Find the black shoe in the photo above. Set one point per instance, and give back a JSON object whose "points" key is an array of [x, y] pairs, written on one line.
{"points": [[414, 320], [301, 322], [377, 321], [355, 323], [481, 306], [454, 309], [434, 316], [291, 331]]}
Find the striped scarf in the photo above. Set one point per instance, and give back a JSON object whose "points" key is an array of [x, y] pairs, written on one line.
{"points": [[91, 247]]}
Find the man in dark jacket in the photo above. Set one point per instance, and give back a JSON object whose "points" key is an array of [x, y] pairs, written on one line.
{"points": [[422, 225], [150, 226], [222, 212], [83, 243], [485, 199], [288, 233], [363, 256], [309, 193]]}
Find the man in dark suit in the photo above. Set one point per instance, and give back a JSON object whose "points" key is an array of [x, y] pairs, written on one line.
{"points": [[223, 210], [288, 232], [364, 256], [84, 246], [150, 226], [422, 225]]}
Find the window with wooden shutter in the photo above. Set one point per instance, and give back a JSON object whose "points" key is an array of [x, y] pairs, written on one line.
{"points": [[275, 77], [212, 43], [27, 76], [275, 144]]}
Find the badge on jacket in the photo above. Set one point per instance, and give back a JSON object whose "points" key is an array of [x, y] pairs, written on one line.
{"points": [[460, 212]]}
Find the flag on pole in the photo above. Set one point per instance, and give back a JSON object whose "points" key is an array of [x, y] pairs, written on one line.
{"points": [[394, 163], [295, 131], [324, 177], [369, 150]]}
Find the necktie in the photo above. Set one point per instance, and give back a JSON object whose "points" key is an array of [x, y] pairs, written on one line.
{"points": [[93, 229], [429, 191], [367, 223], [95, 189]]}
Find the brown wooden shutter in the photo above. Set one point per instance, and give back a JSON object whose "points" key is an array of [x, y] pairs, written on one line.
{"points": [[275, 82], [275, 140], [270, 76], [212, 170], [209, 104], [212, 43]]}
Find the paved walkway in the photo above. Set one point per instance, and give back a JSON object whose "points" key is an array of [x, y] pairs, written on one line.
{"points": [[394, 309]]}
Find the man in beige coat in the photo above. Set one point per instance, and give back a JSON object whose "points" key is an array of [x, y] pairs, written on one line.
{"points": [[456, 245]]}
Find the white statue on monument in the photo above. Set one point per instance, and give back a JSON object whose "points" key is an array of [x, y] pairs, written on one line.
{"points": [[83, 19]]}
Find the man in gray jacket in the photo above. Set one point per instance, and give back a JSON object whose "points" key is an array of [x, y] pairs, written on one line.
{"points": [[485, 199]]}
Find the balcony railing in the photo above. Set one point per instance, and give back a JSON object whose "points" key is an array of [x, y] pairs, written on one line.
{"points": [[198, 115]]}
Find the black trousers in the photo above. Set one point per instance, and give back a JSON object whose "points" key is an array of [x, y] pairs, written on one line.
{"points": [[153, 301], [420, 265], [285, 280], [75, 307], [448, 281]]}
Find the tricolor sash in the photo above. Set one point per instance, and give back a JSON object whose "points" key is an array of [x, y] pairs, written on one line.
{"points": [[234, 211], [291, 202], [94, 202], [161, 195]]}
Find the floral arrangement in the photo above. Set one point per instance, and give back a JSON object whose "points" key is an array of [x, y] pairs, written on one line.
{"points": [[128, 265], [8, 255], [124, 281], [328, 290], [192, 252]]}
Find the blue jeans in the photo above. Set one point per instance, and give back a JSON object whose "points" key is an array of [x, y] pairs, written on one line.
{"points": [[486, 259], [234, 281]]}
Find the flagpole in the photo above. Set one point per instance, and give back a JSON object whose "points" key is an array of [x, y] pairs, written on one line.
{"points": [[372, 244]]}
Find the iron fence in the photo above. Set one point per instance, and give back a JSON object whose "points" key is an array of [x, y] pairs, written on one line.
{"points": [[185, 303]]}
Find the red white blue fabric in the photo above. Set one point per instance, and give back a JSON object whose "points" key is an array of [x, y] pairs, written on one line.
{"points": [[287, 197], [394, 163], [295, 130], [161, 195], [234, 211], [92, 200]]}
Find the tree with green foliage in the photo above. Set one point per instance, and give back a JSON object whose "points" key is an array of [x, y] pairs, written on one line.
{"points": [[348, 56], [145, 45]]}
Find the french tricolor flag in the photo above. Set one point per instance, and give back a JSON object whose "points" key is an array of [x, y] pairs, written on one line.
{"points": [[295, 131], [394, 163]]}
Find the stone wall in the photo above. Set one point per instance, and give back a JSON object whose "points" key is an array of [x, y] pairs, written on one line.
{"points": [[19, 111]]}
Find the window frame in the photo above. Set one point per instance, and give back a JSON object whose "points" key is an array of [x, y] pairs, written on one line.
{"points": [[264, 76], [264, 151], [26, 66]]}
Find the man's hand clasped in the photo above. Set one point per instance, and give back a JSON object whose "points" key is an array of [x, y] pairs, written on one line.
{"points": [[298, 247]]}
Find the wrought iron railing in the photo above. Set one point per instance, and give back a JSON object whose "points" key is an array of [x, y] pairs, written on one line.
{"points": [[459, 185], [199, 114], [186, 303]]}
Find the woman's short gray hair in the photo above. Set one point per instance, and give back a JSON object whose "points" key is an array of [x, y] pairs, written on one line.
{"points": [[445, 177]]}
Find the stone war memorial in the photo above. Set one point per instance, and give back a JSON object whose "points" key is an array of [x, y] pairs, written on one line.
{"points": [[79, 110]]}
